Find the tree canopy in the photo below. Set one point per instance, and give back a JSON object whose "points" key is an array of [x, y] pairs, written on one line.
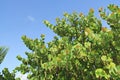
{"points": [[82, 50]]}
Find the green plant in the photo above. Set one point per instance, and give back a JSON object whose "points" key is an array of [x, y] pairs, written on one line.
{"points": [[83, 49], [6, 75], [3, 52]]}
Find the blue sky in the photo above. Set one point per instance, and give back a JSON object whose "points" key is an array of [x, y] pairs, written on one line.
{"points": [[25, 17]]}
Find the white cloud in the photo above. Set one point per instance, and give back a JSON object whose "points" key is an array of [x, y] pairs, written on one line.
{"points": [[21, 76], [30, 18]]}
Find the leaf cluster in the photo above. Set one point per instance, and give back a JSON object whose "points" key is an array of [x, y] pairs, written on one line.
{"points": [[83, 49]]}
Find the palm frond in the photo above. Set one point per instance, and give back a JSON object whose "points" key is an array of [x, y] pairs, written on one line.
{"points": [[3, 52]]}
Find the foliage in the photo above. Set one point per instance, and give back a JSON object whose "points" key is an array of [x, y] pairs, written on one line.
{"points": [[3, 52], [83, 49], [7, 75]]}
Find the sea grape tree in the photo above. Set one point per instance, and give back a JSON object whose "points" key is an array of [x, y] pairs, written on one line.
{"points": [[82, 50]]}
